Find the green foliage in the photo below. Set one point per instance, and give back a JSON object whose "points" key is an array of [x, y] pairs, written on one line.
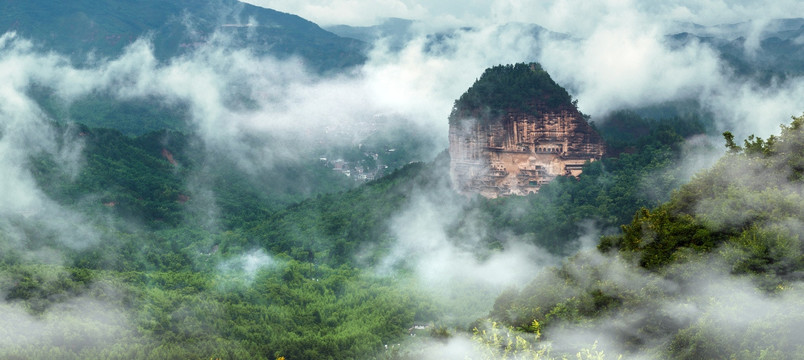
{"points": [[173, 283], [724, 205], [183, 290], [333, 227], [297, 310], [149, 179], [744, 214], [730, 144], [133, 181], [625, 131], [133, 117], [502, 88], [607, 193], [497, 342], [656, 237]]}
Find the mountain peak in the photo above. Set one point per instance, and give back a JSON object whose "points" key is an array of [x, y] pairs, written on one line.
{"points": [[515, 130], [503, 88]]}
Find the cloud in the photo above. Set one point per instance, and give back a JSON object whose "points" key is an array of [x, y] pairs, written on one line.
{"points": [[746, 108], [559, 15], [619, 57], [628, 65], [25, 133], [247, 265], [702, 297], [78, 319], [626, 60], [78, 323], [247, 106], [423, 242], [692, 301], [442, 242], [255, 110]]}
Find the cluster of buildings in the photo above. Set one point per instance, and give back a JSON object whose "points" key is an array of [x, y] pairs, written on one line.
{"points": [[359, 171], [519, 152]]}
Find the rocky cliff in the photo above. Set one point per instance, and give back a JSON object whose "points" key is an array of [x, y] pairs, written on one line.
{"points": [[515, 130]]}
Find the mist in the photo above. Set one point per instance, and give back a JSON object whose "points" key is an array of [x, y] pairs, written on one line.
{"points": [[240, 103], [558, 15], [624, 59], [260, 111], [247, 265]]}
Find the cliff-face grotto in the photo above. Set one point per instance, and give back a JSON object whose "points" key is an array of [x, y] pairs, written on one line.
{"points": [[519, 151]]}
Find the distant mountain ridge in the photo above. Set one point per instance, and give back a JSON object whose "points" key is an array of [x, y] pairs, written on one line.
{"points": [[772, 28], [81, 27], [775, 51], [771, 49], [394, 28]]}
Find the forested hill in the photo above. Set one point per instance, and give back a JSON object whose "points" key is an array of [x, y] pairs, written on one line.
{"points": [[714, 273], [103, 28], [152, 179], [509, 87]]}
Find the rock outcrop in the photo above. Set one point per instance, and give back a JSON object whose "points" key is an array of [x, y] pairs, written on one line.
{"points": [[514, 146]]}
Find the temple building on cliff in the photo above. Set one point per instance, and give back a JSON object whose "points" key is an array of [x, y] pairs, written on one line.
{"points": [[516, 151]]}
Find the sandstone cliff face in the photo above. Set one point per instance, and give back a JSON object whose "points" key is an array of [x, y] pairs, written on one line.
{"points": [[521, 151]]}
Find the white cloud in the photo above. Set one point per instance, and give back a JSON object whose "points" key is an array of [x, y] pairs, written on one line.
{"points": [[25, 131], [619, 58], [247, 265], [560, 15], [443, 246], [69, 321]]}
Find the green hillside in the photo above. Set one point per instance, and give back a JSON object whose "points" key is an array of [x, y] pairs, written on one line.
{"points": [[177, 288], [104, 28], [150, 178], [185, 288], [88, 32], [724, 243]]}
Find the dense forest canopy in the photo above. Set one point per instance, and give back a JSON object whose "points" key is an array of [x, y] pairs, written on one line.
{"points": [[503, 88]]}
